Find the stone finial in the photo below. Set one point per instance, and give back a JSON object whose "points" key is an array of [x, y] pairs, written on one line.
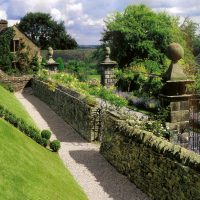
{"points": [[175, 52], [174, 73]]}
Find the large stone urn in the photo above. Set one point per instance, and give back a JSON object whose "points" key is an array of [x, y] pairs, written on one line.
{"points": [[51, 65]]}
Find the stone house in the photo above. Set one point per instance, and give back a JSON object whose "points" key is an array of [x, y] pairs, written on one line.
{"points": [[19, 38]]}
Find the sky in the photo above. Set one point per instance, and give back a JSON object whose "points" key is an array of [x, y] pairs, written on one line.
{"points": [[84, 19]]}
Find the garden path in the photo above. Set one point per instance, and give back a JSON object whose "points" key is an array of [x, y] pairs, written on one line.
{"points": [[96, 176]]}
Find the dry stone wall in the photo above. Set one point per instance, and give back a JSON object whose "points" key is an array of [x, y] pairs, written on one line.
{"points": [[17, 83], [161, 169], [83, 117]]}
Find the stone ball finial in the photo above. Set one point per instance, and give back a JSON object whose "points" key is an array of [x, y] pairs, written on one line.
{"points": [[175, 52]]}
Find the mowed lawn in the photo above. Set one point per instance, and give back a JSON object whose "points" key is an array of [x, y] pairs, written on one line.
{"points": [[9, 101], [30, 172]]}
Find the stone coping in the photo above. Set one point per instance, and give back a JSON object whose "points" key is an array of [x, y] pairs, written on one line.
{"points": [[159, 145]]}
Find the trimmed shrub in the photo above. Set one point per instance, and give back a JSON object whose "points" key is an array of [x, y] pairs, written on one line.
{"points": [[55, 145], [46, 134], [44, 142], [37, 137], [42, 139]]}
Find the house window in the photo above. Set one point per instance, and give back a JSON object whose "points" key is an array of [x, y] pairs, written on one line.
{"points": [[14, 45]]}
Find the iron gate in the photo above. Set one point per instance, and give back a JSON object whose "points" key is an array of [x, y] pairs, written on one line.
{"points": [[194, 122]]}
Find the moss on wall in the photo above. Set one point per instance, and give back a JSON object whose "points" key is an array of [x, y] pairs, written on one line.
{"points": [[161, 169], [69, 105]]}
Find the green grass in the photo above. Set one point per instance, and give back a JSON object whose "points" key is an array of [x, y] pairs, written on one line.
{"points": [[31, 172], [9, 101]]}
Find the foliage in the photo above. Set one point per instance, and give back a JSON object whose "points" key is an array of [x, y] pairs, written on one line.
{"points": [[139, 79], [196, 45], [140, 34], [157, 127], [35, 64], [61, 65], [6, 36], [86, 89], [81, 69], [55, 145], [189, 28], [46, 134], [24, 62], [45, 31], [21, 58]]}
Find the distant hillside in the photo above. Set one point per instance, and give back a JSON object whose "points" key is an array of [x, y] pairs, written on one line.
{"points": [[88, 46], [75, 54]]}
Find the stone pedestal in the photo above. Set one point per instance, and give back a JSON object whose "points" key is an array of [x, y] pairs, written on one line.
{"points": [[107, 76], [107, 70], [178, 107]]}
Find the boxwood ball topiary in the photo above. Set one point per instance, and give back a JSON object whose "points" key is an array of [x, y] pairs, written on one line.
{"points": [[175, 52], [55, 145], [46, 134]]}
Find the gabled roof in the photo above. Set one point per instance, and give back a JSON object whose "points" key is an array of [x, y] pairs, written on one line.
{"points": [[26, 35], [29, 38]]}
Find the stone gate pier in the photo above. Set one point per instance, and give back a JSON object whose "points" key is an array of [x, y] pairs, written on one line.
{"points": [[174, 94]]}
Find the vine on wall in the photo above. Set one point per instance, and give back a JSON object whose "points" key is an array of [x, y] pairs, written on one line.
{"points": [[5, 55]]}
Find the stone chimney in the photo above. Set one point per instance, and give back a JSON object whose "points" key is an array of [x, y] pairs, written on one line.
{"points": [[3, 24]]}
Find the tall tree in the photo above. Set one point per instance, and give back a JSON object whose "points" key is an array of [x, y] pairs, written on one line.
{"points": [[141, 35], [190, 29], [45, 31]]}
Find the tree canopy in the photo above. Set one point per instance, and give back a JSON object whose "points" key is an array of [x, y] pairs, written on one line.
{"points": [[141, 35], [45, 31], [192, 37]]}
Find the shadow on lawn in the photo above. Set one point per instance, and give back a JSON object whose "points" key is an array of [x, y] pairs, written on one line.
{"points": [[114, 184], [63, 131]]}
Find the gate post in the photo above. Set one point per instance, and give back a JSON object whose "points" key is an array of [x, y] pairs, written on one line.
{"points": [[174, 95], [107, 70]]}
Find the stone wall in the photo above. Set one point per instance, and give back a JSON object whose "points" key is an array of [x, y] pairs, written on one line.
{"points": [[16, 82], [161, 169], [84, 118]]}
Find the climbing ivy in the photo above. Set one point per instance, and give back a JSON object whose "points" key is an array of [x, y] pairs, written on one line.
{"points": [[6, 36]]}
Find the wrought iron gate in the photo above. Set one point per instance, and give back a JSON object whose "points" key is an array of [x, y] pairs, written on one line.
{"points": [[194, 122]]}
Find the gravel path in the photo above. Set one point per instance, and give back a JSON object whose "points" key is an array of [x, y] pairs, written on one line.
{"points": [[96, 176]]}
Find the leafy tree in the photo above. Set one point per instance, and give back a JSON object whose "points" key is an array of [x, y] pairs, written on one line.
{"points": [[190, 30], [196, 49], [45, 31], [140, 34]]}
